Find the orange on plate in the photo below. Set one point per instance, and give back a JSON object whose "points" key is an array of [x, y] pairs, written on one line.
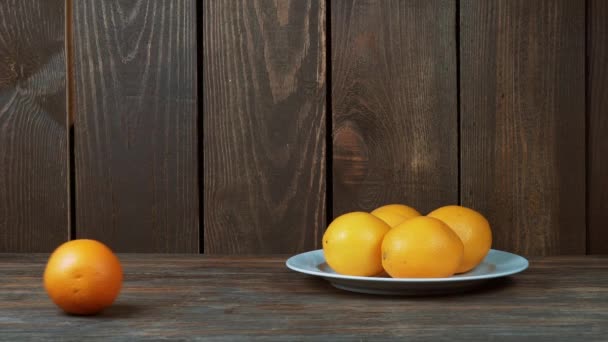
{"points": [[83, 277], [351, 244], [421, 247], [395, 214], [472, 228]]}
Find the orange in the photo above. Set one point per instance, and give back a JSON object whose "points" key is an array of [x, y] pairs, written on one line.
{"points": [[472, 228], [394, 214], [83, 277], [421, 247], [351, 244]]}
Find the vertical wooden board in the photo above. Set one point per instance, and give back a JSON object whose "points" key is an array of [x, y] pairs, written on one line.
{"points": [[394, 104], [136, 124], [523, 121], [264, 125], [33, 136], [598, 126]]}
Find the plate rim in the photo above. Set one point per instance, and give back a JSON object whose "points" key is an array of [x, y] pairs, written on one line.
{"points": [[523, 267]]}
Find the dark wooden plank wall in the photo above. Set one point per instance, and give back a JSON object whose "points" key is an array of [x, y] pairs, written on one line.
{"points": [[394, 104], [597, 92], [135, 125], [33, 121], [274, 147], [523, 121], [264, 125]]}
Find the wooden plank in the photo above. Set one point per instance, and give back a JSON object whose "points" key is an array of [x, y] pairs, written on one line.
{"points": [[201, 298], [33, 135], [136, 124], [264, 125], [394, 104], [597, 89], [523, 121]]}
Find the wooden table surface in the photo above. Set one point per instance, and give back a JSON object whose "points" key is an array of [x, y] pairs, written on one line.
{"points": [[180, 297]]}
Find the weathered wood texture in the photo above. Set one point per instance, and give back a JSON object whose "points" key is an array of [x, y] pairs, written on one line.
{"points": [[523, 122], [135, 74], [394, 120], [264, 125], [597, 88], [394, 102], [33, 135], [244, 299]]}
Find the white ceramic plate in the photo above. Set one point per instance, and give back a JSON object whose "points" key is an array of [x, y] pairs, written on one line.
{"points": [[496, 264]]}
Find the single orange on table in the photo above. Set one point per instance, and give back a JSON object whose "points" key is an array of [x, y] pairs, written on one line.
{"points": [[421, 247], [395, 214], [472, 228], [83, 277], [351, 244]]}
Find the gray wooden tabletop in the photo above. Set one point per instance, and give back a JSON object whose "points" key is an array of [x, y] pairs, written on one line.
{"points": [[190, 297]]}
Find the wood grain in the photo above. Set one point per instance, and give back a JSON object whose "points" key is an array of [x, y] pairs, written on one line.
{"points": [[394, 104], [250, 299], [33, 135], [136, 124], [597, 88], [523, 122], [264, 125]]}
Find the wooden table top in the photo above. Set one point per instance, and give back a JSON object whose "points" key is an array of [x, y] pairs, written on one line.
{"points": [[186, 297]]}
